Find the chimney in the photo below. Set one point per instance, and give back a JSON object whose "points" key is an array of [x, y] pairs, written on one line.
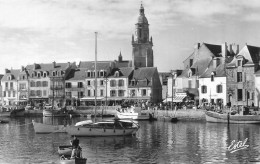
{"points": [[7, 70], [54, 64], [237, 51], [196, 49], [22, 68], [231, 48], [224, 49], [197, 46], [69, 63]]}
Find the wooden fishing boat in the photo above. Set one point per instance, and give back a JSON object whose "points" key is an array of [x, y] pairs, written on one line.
{"points": [[48, 128], [64, 160], [65, 150], [227, 118], [104, 128]]}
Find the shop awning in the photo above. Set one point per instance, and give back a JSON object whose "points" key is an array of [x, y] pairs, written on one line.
{"points": [[91, 98], [174, 99]]}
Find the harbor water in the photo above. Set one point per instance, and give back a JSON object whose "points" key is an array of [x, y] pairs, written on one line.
{"points": [[156, 142]]}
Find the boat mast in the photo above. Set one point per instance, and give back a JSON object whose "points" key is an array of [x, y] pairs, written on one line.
{"points": [[95, 76]]}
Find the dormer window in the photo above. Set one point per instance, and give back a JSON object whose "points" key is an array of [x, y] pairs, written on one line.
{"points": [[212, 76], [10, 77], [39, 74], [88, 74], [44, 74], [239, 63], [101, 73], [116, 74]]}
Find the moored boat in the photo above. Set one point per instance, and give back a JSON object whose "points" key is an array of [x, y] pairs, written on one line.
{"points": [[104, 128], [65, 150], [134, 113], [54, 113], [47, 128], [227, 118]]}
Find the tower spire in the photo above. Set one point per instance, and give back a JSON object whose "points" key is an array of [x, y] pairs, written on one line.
{"points": [[141, 9]]}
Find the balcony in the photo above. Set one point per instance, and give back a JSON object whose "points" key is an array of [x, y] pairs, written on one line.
{"points": [[57, 87]]}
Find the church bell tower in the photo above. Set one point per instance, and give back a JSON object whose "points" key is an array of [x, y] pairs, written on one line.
{"points": [[142, 53]]}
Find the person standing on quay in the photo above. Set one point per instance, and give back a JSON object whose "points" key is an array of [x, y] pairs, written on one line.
{"points": [[75, 147]]}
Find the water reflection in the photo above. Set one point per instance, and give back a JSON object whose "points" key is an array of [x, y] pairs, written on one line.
{"points": [[155, 142]]}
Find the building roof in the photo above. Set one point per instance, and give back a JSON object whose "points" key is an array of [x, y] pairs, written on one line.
{"points": [[47, 66], [144, 73], [1, 76], [77, 74], [215, 49], [123, 72], [219, 71], [14, 74], [101, 65]]}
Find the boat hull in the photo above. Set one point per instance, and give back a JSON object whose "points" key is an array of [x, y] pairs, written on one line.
{"points": [[133, 116], [74, 161], [46, 128], [54, 113], [236, 119], [86, 131], [65, 150]]}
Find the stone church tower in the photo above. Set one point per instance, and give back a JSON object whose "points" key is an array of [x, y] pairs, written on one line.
{"points": [[142, 54]]}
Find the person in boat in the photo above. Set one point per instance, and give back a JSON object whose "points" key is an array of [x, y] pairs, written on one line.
{"points": [[76, 149]]}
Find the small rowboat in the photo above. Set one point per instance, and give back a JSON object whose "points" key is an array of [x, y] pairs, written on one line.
{"points": [[64, 160], [65, 150]]}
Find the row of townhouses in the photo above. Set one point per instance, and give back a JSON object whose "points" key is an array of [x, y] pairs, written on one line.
{"points": [[218, 74], [74, 84]]}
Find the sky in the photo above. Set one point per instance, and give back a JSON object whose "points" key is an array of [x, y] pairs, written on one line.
{"points": [[43, 31]]}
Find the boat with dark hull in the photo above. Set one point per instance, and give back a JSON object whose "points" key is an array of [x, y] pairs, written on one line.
{"points": [[227, 118]]}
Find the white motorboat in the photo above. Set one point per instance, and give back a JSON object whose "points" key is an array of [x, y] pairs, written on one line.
{"points": [[48, 128], [104, 128], [134, 113]]}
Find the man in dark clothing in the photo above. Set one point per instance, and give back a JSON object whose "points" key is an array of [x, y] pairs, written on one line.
{"points": [[76, 151]]}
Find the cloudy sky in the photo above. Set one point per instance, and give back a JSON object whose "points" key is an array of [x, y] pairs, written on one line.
{"points": [[42, 31]]}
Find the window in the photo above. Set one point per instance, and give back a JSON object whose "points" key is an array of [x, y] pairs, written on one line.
{"points": [[120, 83], [121, 93], [132, 93], [68, 94], [219, 89], [88, 82], [38, 84], [80, 94], [6, 85], [9, 93], [32, 93], [239, 77], [112, 93], [212, 76], [116, 74], [53, 73], [144, 92], [80, 85], [44, 74], [132, 82], [191, 62], [39, 74], [45, 83], [22, 86], [239, 95], [4, 93], [239, 63], [101, 82], [11, 85], [32, 74], [68, 85], [88, 74], [204, 89], [89, 93], [112, 83], [101, 73], [101, 92], [39, 93]]}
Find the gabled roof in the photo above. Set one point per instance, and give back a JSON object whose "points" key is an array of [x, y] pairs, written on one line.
{"points": [[77, 74], [123, 72], [254, 53], [14, 74], [201, 66], [90, 65], [125, 63]]}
